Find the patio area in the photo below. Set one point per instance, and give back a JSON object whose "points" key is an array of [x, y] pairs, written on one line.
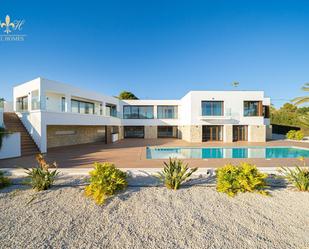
{"points": [[131, 153]]}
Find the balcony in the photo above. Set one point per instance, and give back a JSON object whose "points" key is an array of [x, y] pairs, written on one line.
{"points": [[225, 116]]}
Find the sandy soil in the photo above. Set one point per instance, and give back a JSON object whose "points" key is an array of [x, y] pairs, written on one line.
{"points": [[153, 217]]}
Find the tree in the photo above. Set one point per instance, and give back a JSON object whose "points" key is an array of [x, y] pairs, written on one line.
{"points": [[289, 107], [2, 102], [127, 95], [304, 118], [303, 99]]}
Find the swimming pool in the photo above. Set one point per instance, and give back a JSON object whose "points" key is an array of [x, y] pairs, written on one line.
{"points": [[225, 152]]}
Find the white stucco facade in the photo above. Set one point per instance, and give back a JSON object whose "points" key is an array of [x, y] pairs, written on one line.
{"points": [[42, 102]]}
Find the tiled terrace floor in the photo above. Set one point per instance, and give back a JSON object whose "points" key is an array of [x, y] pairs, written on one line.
{"points": [[131, 153]]}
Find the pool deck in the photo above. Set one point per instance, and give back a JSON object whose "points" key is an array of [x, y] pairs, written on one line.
{"points": [[131, 153]]}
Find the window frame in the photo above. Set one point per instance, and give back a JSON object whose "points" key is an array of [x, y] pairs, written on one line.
{"points": [[136, 108], [212, 107], [259, 111], [175, 116], [79, 102]]}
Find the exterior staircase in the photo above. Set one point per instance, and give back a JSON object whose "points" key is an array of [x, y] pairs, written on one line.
{"points": [[13, 123]]}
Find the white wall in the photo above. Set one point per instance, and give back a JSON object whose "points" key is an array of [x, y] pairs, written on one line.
{"points": [[53, 101], [233, 107], [25, 89], [10, 146], [189, 108], [32, 122]]}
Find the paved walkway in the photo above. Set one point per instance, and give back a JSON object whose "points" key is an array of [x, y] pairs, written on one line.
{"points": [[131, 153]]}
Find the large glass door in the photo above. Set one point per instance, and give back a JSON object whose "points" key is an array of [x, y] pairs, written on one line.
{"points": [[212, 133], [134, 132], [240, 133]]}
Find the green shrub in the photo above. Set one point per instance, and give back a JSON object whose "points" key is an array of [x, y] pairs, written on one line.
{"points": [[242, 178], [299, 135], [4, 181], [290, 134], [105, 181], [41, 178], [175, 173], [295, 135], [299, 177]]}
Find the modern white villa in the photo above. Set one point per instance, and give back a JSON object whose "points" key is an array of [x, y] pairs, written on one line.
{"points": [[57, 114]]}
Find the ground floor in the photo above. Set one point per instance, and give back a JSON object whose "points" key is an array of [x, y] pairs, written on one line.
{"points": [[131, 153], [64, 135]]}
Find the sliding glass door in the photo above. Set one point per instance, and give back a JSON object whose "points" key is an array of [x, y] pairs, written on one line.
{"points": [[240, 133], [134, 132], [212, 133]]}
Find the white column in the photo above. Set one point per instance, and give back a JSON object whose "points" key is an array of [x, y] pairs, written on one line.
{"points": [[29, 101], [155, 113], [68, 103], [228, 133], [103, 108]]}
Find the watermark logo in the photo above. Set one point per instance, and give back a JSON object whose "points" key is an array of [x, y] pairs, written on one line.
{"points": [[12, 29]]}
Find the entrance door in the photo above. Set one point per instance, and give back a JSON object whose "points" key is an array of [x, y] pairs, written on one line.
{"points": [[240, 133], [212, 133], [134, 132]]}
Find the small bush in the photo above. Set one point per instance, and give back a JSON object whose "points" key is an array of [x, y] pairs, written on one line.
{"points": [[299, 177], [299, 135], [175, 173], [105, 181], [295, 135], [41, 178], [4, 181], [243, 178]]}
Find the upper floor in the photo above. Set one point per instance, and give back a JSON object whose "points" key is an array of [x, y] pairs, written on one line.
{"points": [[67, 102]]}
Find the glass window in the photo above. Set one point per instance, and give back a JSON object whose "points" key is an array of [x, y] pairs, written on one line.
{"points": [[82, 107], [74, 106], [167, 131], [137, 112], [111, 110], [35, 103], [22, 104], [63, 104], [134, 131], [253, 108], [167, 112], [212, 108]]}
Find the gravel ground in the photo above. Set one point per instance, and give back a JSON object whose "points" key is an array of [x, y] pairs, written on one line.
{"points": [[153, 217]]}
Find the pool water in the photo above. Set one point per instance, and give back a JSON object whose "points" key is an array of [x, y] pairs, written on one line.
{"points": [[226, 152]]}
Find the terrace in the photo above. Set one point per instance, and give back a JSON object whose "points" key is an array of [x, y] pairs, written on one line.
{"points": [[131, 153]]}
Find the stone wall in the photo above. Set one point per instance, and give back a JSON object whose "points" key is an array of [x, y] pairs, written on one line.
{"points": [[269, 132], [58, 135], [256, 133], [190, 133], [151, 132], [121, 132]]}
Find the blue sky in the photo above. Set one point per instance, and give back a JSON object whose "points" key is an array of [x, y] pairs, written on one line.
{"points": [[160, 49]]}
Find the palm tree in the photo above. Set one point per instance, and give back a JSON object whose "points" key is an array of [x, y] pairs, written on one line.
{"points": [[304, 99], [301, 100]]}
